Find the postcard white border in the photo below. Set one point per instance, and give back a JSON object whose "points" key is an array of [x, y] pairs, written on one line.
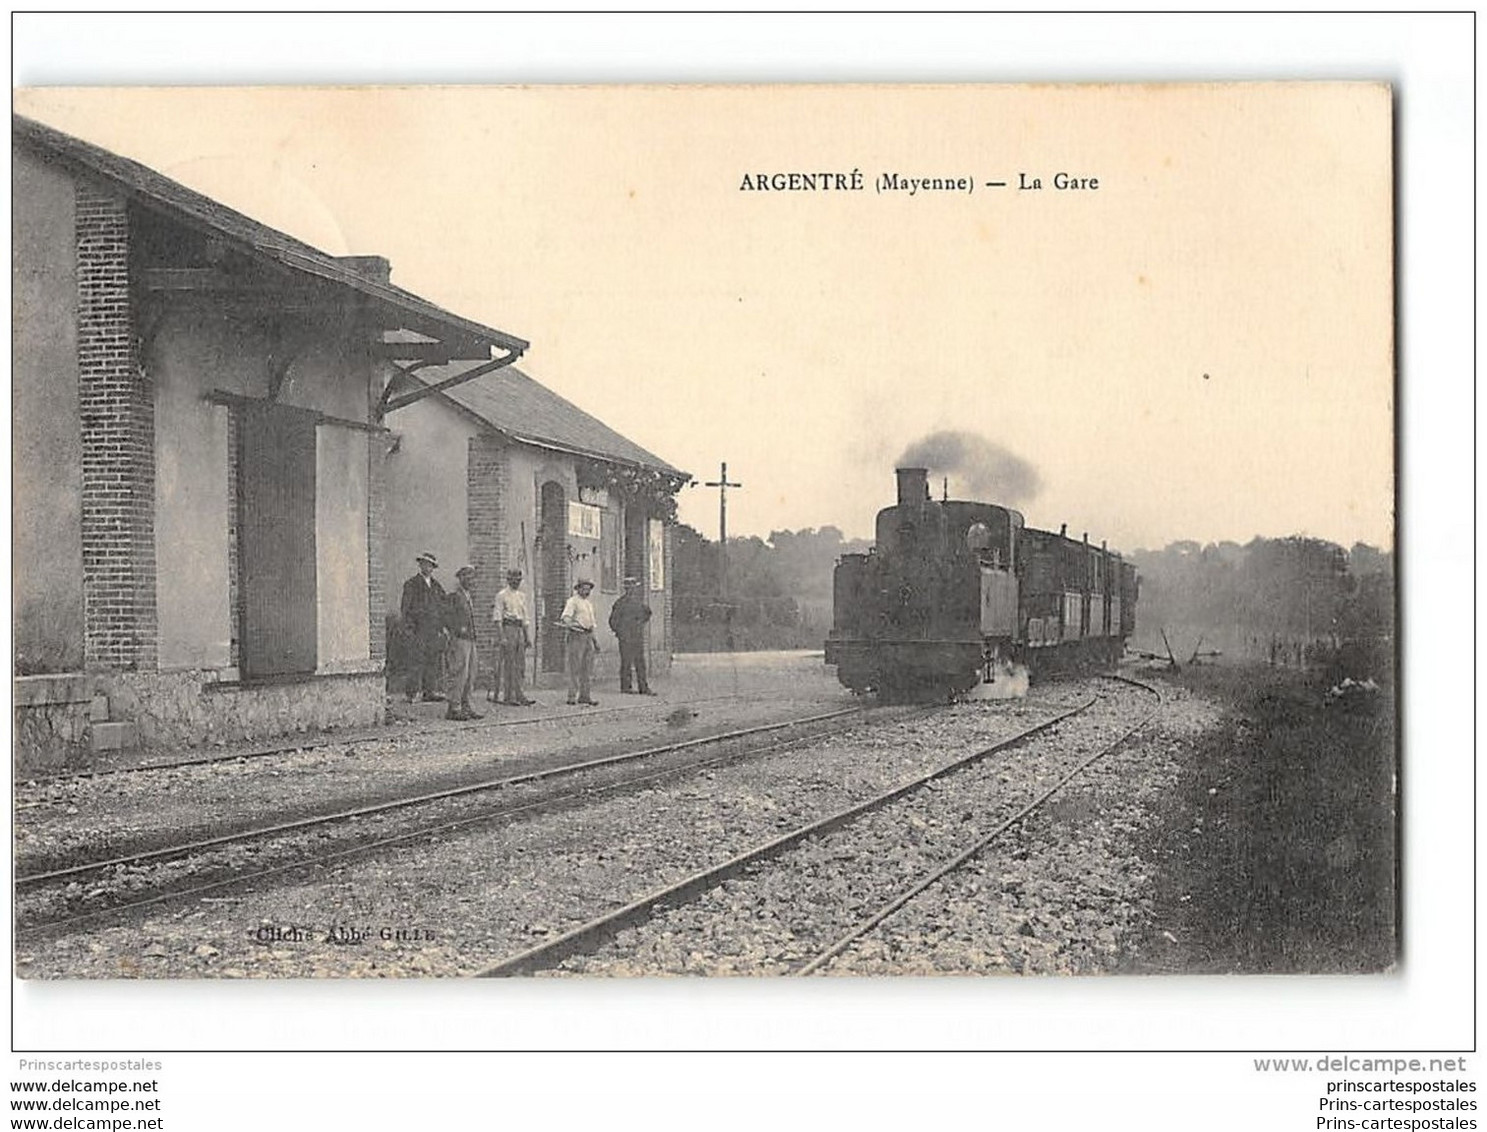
{"points": [[1427, 1005]]}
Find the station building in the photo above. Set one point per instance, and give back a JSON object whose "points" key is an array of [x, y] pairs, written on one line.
{"points": [[501, 472], [204, 447]]}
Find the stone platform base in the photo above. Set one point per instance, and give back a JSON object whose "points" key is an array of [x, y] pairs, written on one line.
{"points": [[54, 718], [62, 720]]}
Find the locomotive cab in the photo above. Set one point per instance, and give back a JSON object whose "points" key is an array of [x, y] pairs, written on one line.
{"points": [[923, 614], [952, 587]]}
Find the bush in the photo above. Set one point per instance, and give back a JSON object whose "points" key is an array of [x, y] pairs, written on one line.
{"points": [[48, 636], [745, 638], [1280, 841], [399, 648]]}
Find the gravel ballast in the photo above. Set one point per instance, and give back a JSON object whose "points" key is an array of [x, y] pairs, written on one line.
{"points": [[61, 820], [788, 909], [455, 907]]}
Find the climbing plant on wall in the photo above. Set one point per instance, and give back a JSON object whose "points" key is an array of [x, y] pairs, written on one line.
{"points": [[654, 491]]}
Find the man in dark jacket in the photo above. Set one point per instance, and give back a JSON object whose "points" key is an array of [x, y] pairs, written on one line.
{"points": [[423, 620], [460, 619], [627, 620]]}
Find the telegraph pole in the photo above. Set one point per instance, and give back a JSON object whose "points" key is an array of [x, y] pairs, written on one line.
{"points": [[723, 485]]}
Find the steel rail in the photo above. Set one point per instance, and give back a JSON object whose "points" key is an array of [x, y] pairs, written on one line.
{"points": [[382, 735], [596, 931], [960, 861], [259, 832], [324, 859]]}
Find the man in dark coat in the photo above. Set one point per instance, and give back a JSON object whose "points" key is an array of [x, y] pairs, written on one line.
{"points": [[460, 620], [424, 603], [627, 620]]}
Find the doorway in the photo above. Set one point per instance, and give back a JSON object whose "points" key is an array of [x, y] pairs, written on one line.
{"points": [[276, 539], [553, 533]]}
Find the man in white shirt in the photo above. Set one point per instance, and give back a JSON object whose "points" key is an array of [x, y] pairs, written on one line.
{"points": [[579, 644], [513, 635]]}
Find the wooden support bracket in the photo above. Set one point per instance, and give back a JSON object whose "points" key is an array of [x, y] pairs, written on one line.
{"points": [[458, 379]]}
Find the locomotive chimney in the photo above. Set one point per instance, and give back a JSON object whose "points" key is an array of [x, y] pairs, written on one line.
{"points": [[913, 485], [1063, 529]]}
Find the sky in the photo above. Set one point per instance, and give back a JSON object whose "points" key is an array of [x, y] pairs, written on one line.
{"points": [[1201, 347]]}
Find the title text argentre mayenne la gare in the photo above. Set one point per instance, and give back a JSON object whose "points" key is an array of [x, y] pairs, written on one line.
{"points": [[855, 181]]}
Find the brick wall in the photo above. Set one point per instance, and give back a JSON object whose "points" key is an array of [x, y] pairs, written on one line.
{"points": [[488, 470], [377, 444], [234, 582], [118, 445], [668, 635]]}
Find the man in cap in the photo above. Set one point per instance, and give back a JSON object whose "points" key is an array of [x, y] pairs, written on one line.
{"points": [[628, 620], [579, 643], [514, 637], [423, 620], [460, 619]]}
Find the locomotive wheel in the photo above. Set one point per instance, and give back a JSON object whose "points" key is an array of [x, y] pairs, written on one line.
{"points": [[960, 686], [893, 691], [923, 691]]}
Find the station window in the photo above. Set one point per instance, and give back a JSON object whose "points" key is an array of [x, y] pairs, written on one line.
{"points": [[609, 551], [656, 556], [583, 521]]}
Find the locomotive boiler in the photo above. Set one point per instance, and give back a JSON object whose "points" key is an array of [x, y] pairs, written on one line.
{"points": [[953, 592]]}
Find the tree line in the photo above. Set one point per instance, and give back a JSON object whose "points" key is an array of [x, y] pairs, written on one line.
{"points": [[1295, 601], [779, 589], [1292, 600]]}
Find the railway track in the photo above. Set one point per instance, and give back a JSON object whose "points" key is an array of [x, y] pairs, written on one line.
{"points": [[294, 745], [827, 954], [586, 779], [590, 937]]}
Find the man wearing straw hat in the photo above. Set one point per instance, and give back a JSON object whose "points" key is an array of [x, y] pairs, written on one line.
{"points": [[513, 635], [461, 621], [579, 643]]}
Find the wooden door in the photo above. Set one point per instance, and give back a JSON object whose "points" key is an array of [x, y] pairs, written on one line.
{"points": [[554, 534], [635, 544]]}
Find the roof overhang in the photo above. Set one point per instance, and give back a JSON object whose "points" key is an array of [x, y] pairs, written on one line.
{"points": [[514, 436], [602, 457], [293, 274]]}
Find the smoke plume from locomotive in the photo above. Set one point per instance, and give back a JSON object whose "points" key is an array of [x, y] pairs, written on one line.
{"points": [[1011, 683], [978, 468]]}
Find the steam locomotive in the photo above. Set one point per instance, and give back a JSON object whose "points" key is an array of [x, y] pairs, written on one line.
{"points": [[956, 592]]}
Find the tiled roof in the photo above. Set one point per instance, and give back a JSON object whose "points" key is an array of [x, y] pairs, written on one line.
{"points": [[506, 399], [269, 242], [514, 404]]}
